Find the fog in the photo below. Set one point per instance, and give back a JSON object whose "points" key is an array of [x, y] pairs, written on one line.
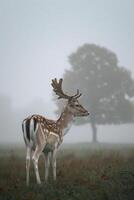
{"points": [[36, 38]]}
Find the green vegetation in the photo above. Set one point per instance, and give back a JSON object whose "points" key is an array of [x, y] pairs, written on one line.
{"points": [[84, 172]]}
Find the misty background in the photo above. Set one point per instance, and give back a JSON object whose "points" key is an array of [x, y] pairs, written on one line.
{"points": [[36, 38]]}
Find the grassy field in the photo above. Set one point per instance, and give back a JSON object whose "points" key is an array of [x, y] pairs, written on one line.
{"points": [[84, 172]]}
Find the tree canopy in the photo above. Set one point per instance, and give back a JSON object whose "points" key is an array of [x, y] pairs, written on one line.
{"points": [[107, 87]]}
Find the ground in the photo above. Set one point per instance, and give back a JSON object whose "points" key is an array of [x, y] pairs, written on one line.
{"points": [[84, 172]]}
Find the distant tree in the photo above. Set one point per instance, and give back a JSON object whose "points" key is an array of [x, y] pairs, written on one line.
{"points": [[107, 87], [7, 118]]}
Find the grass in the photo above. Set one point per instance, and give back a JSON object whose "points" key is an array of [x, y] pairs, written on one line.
{"points": [[84, 172]]}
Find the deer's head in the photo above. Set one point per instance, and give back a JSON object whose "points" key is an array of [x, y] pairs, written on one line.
{"points": [[73, 104]]}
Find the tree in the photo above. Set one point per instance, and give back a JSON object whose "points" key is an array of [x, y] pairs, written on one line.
{"points": [[7, 119], [107, 87]]}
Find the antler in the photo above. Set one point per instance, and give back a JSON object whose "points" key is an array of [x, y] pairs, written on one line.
{"points": [[77, 95], [57, 88]]}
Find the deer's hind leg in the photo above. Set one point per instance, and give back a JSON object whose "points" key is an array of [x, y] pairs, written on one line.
{"points": [[35, 159], [28, 157], [53, 160], [40, 143], [47, 165]]}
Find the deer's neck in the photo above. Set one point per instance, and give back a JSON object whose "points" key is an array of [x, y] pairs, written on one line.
{"points": [[65, 120]]}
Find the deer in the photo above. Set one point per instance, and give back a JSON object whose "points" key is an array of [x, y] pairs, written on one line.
{"points": [[44, 136]]}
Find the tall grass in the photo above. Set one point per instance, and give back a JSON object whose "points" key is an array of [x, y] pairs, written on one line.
{"points": [[83, 173]]}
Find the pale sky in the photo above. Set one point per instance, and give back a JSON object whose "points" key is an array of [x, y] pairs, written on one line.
{"points": [[37, 36]]}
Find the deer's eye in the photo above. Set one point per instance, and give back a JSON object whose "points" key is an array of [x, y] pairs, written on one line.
{"points": [[77, 105]]}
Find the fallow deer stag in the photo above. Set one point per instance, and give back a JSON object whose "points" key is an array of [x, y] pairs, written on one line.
{"points": [[45, 135]]}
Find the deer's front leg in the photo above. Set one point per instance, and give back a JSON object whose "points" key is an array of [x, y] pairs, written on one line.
{"points": [[54, 163]]}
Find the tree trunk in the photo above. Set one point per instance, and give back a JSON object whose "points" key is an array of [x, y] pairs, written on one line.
{"points": [[94, 131], [94, 128]]}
